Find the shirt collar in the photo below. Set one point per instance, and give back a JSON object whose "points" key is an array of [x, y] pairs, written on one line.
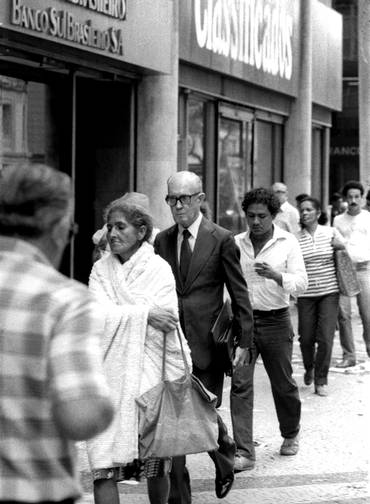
{"points": [[193, 228], [277, 234], [23, 247]]}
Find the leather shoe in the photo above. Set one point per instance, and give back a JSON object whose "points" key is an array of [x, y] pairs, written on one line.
{"points": [[308, 377], [243, 463], [345, 363], [321, 390], [223, 486], [290, 446]]}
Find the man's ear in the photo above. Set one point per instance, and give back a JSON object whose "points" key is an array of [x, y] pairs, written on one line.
{"points": [[59, 233], [201, 196]]}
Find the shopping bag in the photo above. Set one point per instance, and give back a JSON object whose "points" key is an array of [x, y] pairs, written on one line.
{"points": [[177, 417], [346, 273], [223, 337]]}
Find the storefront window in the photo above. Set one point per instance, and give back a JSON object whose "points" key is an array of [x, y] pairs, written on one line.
{"points": [[235, 139], [195, 138], [28, 126]]}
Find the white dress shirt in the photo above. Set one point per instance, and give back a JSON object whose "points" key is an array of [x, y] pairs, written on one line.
{"points": [[193, 230], [356, 232], [283, 253], [288, 218]]}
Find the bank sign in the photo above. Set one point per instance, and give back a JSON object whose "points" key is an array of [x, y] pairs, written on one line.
{"points": [[255, 40], [120, 29]]}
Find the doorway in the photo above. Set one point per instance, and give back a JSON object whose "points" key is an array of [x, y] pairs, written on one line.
{"points": [[83, 126], [103, 161]]}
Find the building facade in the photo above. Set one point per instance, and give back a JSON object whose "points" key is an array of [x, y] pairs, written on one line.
{"points": [[121, 93]]}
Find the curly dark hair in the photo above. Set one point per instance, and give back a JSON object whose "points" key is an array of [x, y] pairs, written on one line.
{"points": [[315, 202], [136, 215], [352, 184], [265, 197]]}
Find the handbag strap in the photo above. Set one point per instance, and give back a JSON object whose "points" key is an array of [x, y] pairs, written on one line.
{"points": [[186, 365]]}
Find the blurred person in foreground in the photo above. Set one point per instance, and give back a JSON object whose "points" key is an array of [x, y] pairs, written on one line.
{"points": [[354, 226], [53, 391], [273, 267], [287, 217], [136, 291], [204, 259], [318, 305]]}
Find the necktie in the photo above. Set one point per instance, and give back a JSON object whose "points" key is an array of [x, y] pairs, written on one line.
{"points": [[185, 254]]}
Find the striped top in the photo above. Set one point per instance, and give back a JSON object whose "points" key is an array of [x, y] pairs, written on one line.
{"points": [[318, 256], [49, 349]]}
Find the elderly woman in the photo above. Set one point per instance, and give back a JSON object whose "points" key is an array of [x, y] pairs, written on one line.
{"points": [[318, 306], [136, 289]]}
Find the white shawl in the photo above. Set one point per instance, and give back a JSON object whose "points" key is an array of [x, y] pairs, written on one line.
{"points": [[132, 348]]}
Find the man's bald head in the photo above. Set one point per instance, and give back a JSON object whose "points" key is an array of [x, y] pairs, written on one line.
{"points": [[186, 178], [281, 191], [188, 184]]}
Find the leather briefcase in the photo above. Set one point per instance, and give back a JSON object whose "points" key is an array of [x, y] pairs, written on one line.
{"points": [[223, 337]]}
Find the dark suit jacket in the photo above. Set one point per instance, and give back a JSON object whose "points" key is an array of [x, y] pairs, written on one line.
{"points": [[214, 263]]}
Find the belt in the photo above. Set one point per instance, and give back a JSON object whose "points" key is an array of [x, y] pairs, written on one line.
{"points": [[270, 313]]}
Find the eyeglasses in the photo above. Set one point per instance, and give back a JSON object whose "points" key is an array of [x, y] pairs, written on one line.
{"points": [[185, 199]]}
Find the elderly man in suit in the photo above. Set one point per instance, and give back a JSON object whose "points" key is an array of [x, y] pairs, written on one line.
{"points": [[204, 259]]}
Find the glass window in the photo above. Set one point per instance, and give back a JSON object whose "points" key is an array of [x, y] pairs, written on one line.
{"points": [[195, 138], [29, 131], [233, 180]]}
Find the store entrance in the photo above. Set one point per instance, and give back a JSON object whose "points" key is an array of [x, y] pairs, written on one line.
{"points": [[103, 160], [79, 125]]}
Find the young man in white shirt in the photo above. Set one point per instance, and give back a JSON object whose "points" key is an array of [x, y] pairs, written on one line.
{"points": [[273, 266], [354, 225]]}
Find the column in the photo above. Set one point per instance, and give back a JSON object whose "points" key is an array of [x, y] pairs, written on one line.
{"points": [[364, 88], [298, 130], [157, 133]]}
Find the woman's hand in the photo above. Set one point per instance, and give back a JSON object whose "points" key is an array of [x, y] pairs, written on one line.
{"points": [[337, 244], [163, 319]]}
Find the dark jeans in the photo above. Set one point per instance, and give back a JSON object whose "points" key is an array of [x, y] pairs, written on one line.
{"points": [[223, 458], [273, 340], [317, 318], [345, 314]]}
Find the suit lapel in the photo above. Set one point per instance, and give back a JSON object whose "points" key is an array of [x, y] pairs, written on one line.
{"points": [[204, 245]]}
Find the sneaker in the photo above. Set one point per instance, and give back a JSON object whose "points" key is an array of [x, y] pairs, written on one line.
{"points": [[308, 377], [243, 463], [290, 446], [345, 363], [321, 390]]}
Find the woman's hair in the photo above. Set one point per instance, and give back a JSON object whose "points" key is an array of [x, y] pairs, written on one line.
{"points": [[263, 196], [317, 206], [315, 202], [32, 199], [135, 214]]}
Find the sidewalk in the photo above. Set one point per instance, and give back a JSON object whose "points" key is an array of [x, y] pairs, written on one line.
{"points": [[333, 462]]}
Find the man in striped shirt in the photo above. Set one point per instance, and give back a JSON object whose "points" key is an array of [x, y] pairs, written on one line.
{"points": [[53, 390]]}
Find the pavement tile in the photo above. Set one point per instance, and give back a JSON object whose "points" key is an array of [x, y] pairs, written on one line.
{"points": [[332, 465]]}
